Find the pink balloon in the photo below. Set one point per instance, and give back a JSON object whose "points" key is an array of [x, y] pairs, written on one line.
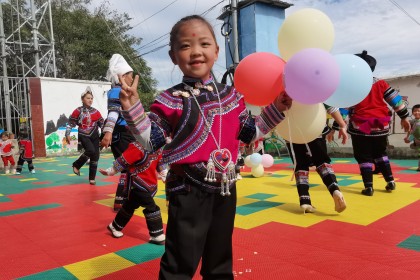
{"points": [[267, 160], [259, 77], [311, 76]]}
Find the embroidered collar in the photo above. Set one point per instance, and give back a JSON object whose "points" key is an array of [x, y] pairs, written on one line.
{"points": [[193, 86]]}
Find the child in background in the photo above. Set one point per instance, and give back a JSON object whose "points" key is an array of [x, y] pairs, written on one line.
{"points": [[414, 134], [142, 186], [6, 152], [25, 149], [189, 120]]}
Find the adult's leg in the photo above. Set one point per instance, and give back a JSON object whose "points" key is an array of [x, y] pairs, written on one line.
{"points": [[94, 157], [381, 159], [87, 145], [302, 161], [120, 141], [362, 150]]}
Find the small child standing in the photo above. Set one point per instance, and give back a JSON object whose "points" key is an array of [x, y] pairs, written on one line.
{"points": [[6, 152], [25, 149], [414, 134], [142, 185]]}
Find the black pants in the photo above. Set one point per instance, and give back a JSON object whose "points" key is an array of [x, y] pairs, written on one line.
{"points": [[121, 137], [318, 149], [91, 146], [200, 226], [369, 151], [20, 163], [151, 212]]}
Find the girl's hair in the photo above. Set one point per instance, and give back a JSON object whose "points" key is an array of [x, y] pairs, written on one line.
{"points": [[175, 29], [5, 133], [417, 106]]}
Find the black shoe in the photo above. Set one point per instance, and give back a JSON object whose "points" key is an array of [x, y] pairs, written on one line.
{"points": [[390, 186], [368, 191]]}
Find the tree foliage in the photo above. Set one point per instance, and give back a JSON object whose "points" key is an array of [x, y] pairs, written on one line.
{"points": [[85, 40]]}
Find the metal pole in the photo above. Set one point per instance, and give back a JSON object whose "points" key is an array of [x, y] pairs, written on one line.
{"points": [[5, 78], [52, 40], [35, 38], [234, 6]]}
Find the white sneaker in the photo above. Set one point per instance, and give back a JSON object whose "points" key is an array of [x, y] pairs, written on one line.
{"points": [[17, 173], [13, 171], [159, 240], [33, 171], [7, 171], [307, 208], [238, 177], [115, 233]]}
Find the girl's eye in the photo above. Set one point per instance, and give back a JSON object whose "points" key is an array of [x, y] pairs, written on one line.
{"points": [[184, 46]]}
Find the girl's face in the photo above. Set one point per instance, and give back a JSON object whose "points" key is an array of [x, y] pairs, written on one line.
{"points": [[87, 100], [195, 50], [416, 113], [4, 137]]}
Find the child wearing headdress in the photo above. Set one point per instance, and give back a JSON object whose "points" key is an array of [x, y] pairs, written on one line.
{"points": [[369, 126]]}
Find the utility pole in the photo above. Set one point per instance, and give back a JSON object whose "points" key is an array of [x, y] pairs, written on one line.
{"points": [[234, 9]]}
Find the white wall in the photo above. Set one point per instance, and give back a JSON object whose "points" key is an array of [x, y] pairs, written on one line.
{"points": [[62, 96]]}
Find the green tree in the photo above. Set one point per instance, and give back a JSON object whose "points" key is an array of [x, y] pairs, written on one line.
{"points": [[84, 41]]}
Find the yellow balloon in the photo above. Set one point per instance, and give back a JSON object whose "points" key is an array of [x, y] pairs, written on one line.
{"points": [[303, 122], [257, 171], [306, 28]]}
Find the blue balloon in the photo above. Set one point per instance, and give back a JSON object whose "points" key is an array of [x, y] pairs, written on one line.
{"points": [[255, 159], [356, 80]]}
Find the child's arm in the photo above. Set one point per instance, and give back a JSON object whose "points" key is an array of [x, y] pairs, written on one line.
{"points": [[342, 132]]}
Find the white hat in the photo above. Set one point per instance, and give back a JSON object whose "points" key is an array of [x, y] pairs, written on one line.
{"points": [[117, 66], [86, 91]]}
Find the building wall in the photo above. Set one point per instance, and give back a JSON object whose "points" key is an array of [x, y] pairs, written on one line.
{"points": [[409, 87]]}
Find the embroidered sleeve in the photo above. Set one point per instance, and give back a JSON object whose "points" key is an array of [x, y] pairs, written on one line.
{"points": [[269, 118], [73, 120], [139, 124], [395, 100]]}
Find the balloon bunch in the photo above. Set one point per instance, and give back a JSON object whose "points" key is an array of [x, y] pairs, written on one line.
{"points": [[258, 162], [308, 73]]}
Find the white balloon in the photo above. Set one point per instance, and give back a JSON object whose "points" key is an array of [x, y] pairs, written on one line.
{"points": [[303, 122]]}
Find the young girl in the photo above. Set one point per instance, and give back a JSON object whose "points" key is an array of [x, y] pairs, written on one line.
{"points": [[6, 152], [369, 128], [189, 120], [25, 149], [414, 134], [89, 120], [142, 167]]}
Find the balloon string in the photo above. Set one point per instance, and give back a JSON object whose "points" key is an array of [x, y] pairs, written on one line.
{"points": [[291, 145]]}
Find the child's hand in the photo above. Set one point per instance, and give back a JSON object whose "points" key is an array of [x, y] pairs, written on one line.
{"points": [[283, 102], [405, 124], [128, 95]]}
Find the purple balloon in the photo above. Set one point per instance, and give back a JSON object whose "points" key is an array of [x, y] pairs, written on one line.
{"points": [[311, 76]]}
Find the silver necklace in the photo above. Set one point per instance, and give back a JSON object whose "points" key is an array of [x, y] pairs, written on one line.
{"points": [[220, 159]]}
